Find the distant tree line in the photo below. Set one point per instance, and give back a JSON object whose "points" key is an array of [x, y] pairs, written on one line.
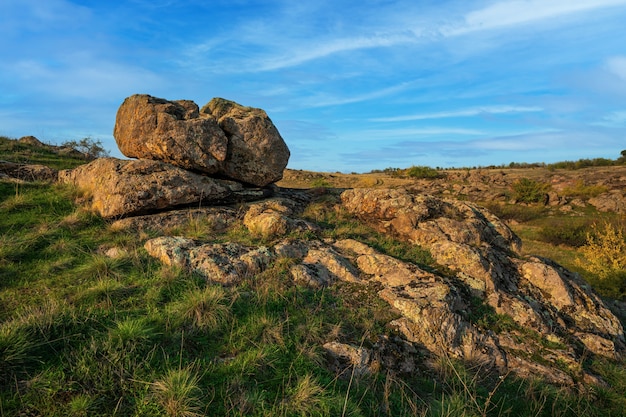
{"points": [[412, 172], [428, 172]]}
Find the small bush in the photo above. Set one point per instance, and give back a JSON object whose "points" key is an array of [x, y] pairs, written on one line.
{"points": [[526, 190], [605, 251], [515, 212], [320, 183], [92, 149], [422, 172], [612, 285], [564, 233], [580, 190]]}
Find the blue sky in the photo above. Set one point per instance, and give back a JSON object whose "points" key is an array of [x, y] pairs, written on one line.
{"points": [[351, 85]]}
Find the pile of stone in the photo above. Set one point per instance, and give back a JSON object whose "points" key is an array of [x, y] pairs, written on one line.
{"points": [[187, 156]]}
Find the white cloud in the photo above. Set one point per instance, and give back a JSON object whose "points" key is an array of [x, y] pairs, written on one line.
{"points": [[516, 12], [273, 51], [91, 78], [617, 66], [474, 111], [333, 46], [377, 135], [37, 15], [320, 101], [614, 118]]}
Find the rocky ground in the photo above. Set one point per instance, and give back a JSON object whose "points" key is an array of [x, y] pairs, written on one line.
{"points": [[484, 304], [487, 185]]}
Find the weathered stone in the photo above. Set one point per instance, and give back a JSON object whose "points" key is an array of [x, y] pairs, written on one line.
{"points": [[171, 250], [215, 219], [535, 306], [228, 263], [327, 259], [348, 360], [170, 131], [224, 139], [32, 141], [271, 219], [257, 154], [549, 281], [478, 247], [225, 264], [122, 188], [28, 172], [613, 201]]}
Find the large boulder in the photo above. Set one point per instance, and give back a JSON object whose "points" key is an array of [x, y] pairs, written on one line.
{"points": [[119, 188], [257, 154], [223, 139]]}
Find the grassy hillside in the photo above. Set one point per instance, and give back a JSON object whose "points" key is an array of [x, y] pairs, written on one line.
{"points": [[24, 153], [87, 330]]}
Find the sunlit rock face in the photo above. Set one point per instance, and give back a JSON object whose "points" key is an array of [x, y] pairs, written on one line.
{"points": [[222, 139]]}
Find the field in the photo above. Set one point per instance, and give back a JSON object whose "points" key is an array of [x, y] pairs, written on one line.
{"points": [[91, 325]]}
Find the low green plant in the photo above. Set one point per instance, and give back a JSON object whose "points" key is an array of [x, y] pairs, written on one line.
{"points": [[570, 231], [516, 212], [320, 183], [580, 190], [304, 398], [484, 316], [201, 309], [422, 172], [178, 392], [16, 352], [526, 190]]}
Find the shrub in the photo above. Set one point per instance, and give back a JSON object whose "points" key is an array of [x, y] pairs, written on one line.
{"points": [[565, 232], [515, 212], [605, 251], [92, 149], [583, 191], [526, 190], [422, 172]]}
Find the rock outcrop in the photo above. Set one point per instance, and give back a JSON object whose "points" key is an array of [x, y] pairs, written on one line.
{"points": [[222, 139], [614, 201], [27, 172], [118, 188], [536, 307], [480, 249]]}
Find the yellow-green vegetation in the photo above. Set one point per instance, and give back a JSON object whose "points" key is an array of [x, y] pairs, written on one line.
{"points": [[580, 190], [604, 258], [526, 190], [605, 251], [82, 333], [415, 171]]}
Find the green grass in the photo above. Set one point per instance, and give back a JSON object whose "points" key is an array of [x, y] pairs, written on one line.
{"points": [[22, 153], [84, 334]]}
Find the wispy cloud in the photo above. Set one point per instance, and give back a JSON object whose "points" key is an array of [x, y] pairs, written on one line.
{"points": [[95, 78], [516, 12], [474, 111], [326, 101], [617, 66], [287, 53]]}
